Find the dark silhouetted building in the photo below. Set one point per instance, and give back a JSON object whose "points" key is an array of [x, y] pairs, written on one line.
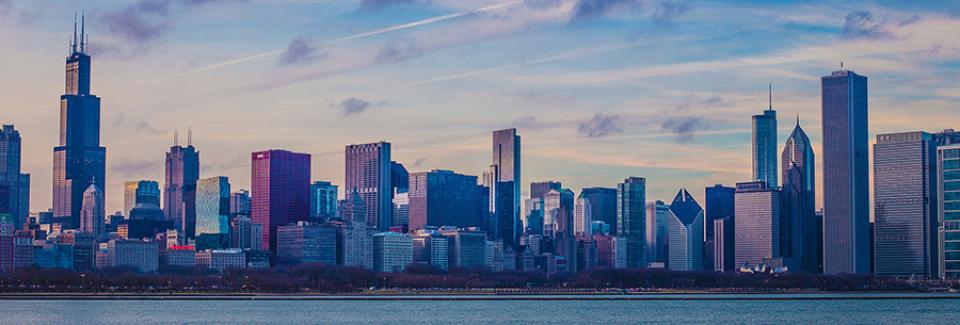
{"points": [[78, 160], [14, 186], [632, 219], [505, 187], [719, 205], [180, 187], [798, 226]]}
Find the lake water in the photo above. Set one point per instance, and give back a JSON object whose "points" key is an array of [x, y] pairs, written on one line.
{"points": [[727, 309]]}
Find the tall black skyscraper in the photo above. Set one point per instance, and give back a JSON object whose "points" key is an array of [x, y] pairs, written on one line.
{"points": [[846, 196], [720, 204], [180, 187], [79, 160], [505, 186]]}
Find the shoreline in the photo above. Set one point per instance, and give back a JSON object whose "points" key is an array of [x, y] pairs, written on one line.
{"points": [[597, 296]]}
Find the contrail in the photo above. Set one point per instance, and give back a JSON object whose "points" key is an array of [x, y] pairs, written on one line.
{"points": [[556, 57], [367, 34]]}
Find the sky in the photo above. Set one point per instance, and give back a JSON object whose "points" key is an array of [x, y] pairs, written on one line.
{"points": [[599, 90]]}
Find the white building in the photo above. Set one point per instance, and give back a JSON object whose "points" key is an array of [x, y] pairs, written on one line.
{"points": [[392, 251]]}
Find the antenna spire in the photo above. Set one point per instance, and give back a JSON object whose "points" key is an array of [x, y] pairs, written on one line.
{"points": [[189, 136], [176, 138], [83, 25], [73, 45], [770, 96], [798, 119]]}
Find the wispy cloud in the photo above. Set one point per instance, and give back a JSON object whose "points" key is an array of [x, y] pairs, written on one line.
{"points": [[122, 122], [141, 23], [300, 51], [862, 24], [353, 105], [668, 12], [683, 127], [130, 167], [398, 50], [591, 9], [600, 125]]}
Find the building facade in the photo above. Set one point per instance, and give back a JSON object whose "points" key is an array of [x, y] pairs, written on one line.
{"points": [[182, 170], [505, 187], [905, 206], [719, 205], [765, 147], [685, 234], [213, 213], [443, 198], [323, 200], [368, 173], [846, 204], [632, 219], [280, 191], [392, 251], [757, 229], [14, 185], [799, 228], [948, 210]]}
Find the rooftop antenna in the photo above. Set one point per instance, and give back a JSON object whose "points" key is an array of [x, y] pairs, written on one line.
{"points": [[189, 136], [841, 65], [770, 96], [798, 119], [83, 25], [176, 138], [73, 45]]}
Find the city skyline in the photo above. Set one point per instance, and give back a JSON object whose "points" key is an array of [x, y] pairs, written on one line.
{"points": [[579, 143]]}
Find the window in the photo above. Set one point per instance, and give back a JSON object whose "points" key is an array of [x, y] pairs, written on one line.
{"points": [[951, 174], [951, 153], [951, 216], [951, 196], [951, 164], [951, 235], [951, 186], [951, 246]]}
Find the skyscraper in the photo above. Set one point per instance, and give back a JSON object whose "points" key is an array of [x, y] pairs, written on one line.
{"points": [[582, 216], [368, 173], [280, 191], [14, 186], [603, 205], [658, 215], [505, 188], [182, 167], [79, 160], [765, 146], [948, 210], [92, 218], [799, 226], [140, 192], [757, 229], [539, 189], [905, 206], [213, 213], [632, 219], [719, 205], [323, 200], [846, 203], [240, 204], [443, 198], [685, 233]]}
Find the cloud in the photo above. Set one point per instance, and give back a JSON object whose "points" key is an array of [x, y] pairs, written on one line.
{"points": [[301, 51], [861, 24], [694, 99], [592, 9], [682, 126], [600, 125], [142, 22], [124, 123], [134, 167], [398, 50], [380, 4], [353, 105], [667, 12]]}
